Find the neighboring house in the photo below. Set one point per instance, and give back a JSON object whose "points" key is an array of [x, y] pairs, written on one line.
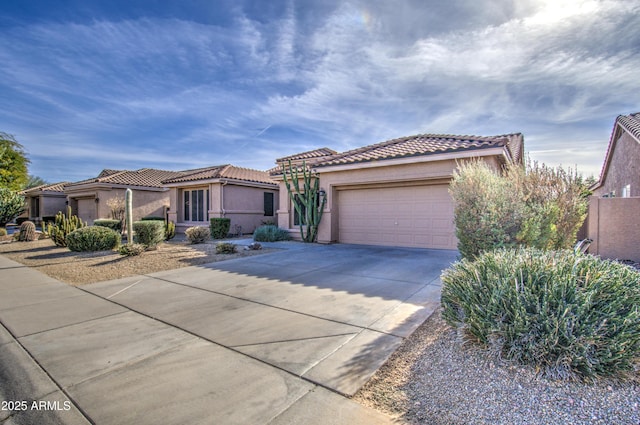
{"points": [[613, 222], [44, 201], [393, 193], [620, 176], [88, 198], [248, 197]]}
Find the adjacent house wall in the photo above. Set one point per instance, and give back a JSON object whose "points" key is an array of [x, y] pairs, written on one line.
{"points": [[613, 225], [145, 203], [624, 168], [245, 206]]}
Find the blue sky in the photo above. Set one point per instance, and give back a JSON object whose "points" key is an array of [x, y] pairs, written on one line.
{"points": [[88, 85]]}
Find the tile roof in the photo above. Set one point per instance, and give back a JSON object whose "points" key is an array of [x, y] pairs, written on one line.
{"points": [[48, 187], [426, 144], [316, 153], [145, 177], [221, 172], [631, 123]]}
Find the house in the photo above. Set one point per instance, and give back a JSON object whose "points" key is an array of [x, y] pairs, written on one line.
{"points": [[43, 202], [620, 175], [393, 193], [89, 198], [613, 221], [248, 197]]}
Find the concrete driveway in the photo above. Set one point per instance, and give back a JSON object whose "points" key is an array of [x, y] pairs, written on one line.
{"points": [[273, 338]]}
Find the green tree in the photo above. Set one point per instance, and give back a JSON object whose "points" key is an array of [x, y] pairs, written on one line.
{"points": [[13, 163], [34, 181], [11, 205]]}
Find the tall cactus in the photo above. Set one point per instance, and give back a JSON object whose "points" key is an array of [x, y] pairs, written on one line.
{"points": [[63, 225], [306, 200], [128, 214]]}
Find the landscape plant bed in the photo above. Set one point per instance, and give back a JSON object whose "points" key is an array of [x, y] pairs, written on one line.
{"points": [[87, 267], [434, 379]]}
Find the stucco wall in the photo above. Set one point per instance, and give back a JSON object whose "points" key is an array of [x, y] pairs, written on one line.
{"points": [[623, 168], [145, 202], [245, 206], [614, 226]]}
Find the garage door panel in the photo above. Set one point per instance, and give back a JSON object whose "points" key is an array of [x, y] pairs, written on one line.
{"points": [[417, 216]]}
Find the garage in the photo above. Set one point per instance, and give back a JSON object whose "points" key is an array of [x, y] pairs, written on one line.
{"points": [[409, 216], [87, 209]]}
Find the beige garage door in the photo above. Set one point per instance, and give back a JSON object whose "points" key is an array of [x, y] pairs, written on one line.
{"points": [[87, 209], [414, 216]]}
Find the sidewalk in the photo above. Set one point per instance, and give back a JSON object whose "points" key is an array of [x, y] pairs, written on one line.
{"points": [[84, 359]]}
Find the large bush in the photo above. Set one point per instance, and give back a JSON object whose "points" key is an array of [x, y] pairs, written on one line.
{"points": [[270, 233], [568, 314], [11, 205], [220, 227], [92, 238], [112, 224], [149, 232], [535, 206]]}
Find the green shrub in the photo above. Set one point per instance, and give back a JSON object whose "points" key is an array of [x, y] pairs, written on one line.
{"points": [[220, 227], [131, 249], [3, 231], [226, 248], [571, 315], [535, 206], [271, 233], [197, 234], [93, 238], [148, 233], [115, 225], [11, 205], [169, 231]]}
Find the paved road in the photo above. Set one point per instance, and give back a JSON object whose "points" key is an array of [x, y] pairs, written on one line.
{"points": [[270, 339]]}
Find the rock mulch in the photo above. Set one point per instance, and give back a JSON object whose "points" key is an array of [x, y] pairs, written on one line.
{"points": [[88, 267], [434, 379]]}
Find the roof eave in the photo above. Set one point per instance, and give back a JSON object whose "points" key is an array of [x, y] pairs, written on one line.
{"points": [[467, 153]]}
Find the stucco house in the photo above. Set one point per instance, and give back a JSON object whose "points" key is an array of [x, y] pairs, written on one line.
{"points": [[44, 201], [613, 222], [248, 197], [393, 193], [88, 198]]}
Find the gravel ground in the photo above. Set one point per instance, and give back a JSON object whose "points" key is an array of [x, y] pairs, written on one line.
{"points": [[433, 379], [88, 267]]}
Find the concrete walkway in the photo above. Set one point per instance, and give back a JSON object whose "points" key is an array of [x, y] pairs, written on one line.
{"points": [[269, 339]]}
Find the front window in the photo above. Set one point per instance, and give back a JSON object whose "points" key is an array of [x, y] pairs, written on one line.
{"points": [[196, 204], [299, 218]]}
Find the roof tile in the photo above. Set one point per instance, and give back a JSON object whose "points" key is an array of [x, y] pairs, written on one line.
{"points": [[425, 144], [221, 172]]}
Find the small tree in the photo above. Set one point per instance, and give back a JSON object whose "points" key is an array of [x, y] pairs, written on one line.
{"points": [[116, 206], [11, 205], [306, 200]]}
